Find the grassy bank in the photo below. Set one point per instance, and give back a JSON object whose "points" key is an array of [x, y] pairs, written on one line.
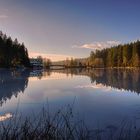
{"points": [[62, 126]]}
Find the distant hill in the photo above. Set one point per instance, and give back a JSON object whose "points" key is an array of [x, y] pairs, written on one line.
{"points": [[12, 53]]}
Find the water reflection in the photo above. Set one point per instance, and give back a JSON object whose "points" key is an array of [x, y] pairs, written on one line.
{"points": [[5, 117], [12, 83], [122, 79], [128, 79]]}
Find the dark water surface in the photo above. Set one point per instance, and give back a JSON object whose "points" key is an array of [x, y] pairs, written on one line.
{"points": [[101, 97]]}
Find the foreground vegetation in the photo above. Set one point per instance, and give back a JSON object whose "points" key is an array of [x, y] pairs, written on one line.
{"points": [[59, 126], [12, 53], [62, 125]]}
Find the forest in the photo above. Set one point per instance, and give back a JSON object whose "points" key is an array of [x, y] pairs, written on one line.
{"points": [[12, 53], [127, 55]]}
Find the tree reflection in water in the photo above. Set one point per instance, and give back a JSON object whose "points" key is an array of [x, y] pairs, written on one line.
{"points": [[122, 79], [15, 82], [12, 83]]}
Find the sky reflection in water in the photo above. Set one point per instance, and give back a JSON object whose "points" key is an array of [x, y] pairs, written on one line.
{"points": [[102, 97]]}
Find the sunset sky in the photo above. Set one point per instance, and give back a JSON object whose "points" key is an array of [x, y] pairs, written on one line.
{"points": [[58, 29]]}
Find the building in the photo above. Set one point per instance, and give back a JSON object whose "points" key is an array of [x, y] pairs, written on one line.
{"points": [[36, 62]]}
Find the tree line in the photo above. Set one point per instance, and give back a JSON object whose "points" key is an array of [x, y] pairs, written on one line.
{"points": [[12, 53], [127, 55], [75, 62], [123, 55]]}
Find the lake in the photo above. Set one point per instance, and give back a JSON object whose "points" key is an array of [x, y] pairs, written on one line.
{"points": [[102, 97]]}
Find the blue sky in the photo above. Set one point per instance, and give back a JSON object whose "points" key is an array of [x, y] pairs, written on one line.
{"points": [[63, 28]]}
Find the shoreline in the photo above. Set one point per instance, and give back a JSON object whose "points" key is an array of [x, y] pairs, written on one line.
{"points": [[28, 68]]}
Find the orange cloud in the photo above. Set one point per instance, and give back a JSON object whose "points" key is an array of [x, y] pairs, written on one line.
{"points": [[53, 57], [97, 45], [3, 16]]}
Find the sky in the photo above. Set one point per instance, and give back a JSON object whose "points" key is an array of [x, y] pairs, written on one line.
{"points": [[58, 29]]}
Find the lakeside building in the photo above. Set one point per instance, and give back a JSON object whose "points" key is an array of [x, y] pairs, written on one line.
{"points": [[35, 62]]}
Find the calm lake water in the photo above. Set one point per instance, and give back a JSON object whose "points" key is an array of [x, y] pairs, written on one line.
{"points": [[100, 97]]}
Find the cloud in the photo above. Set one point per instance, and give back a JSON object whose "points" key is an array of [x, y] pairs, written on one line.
{"points": [[95, 86], [98, 86], [113, 42], [3, 16], [5, 116], [90, 46], [97, 45], [53, 57]]}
